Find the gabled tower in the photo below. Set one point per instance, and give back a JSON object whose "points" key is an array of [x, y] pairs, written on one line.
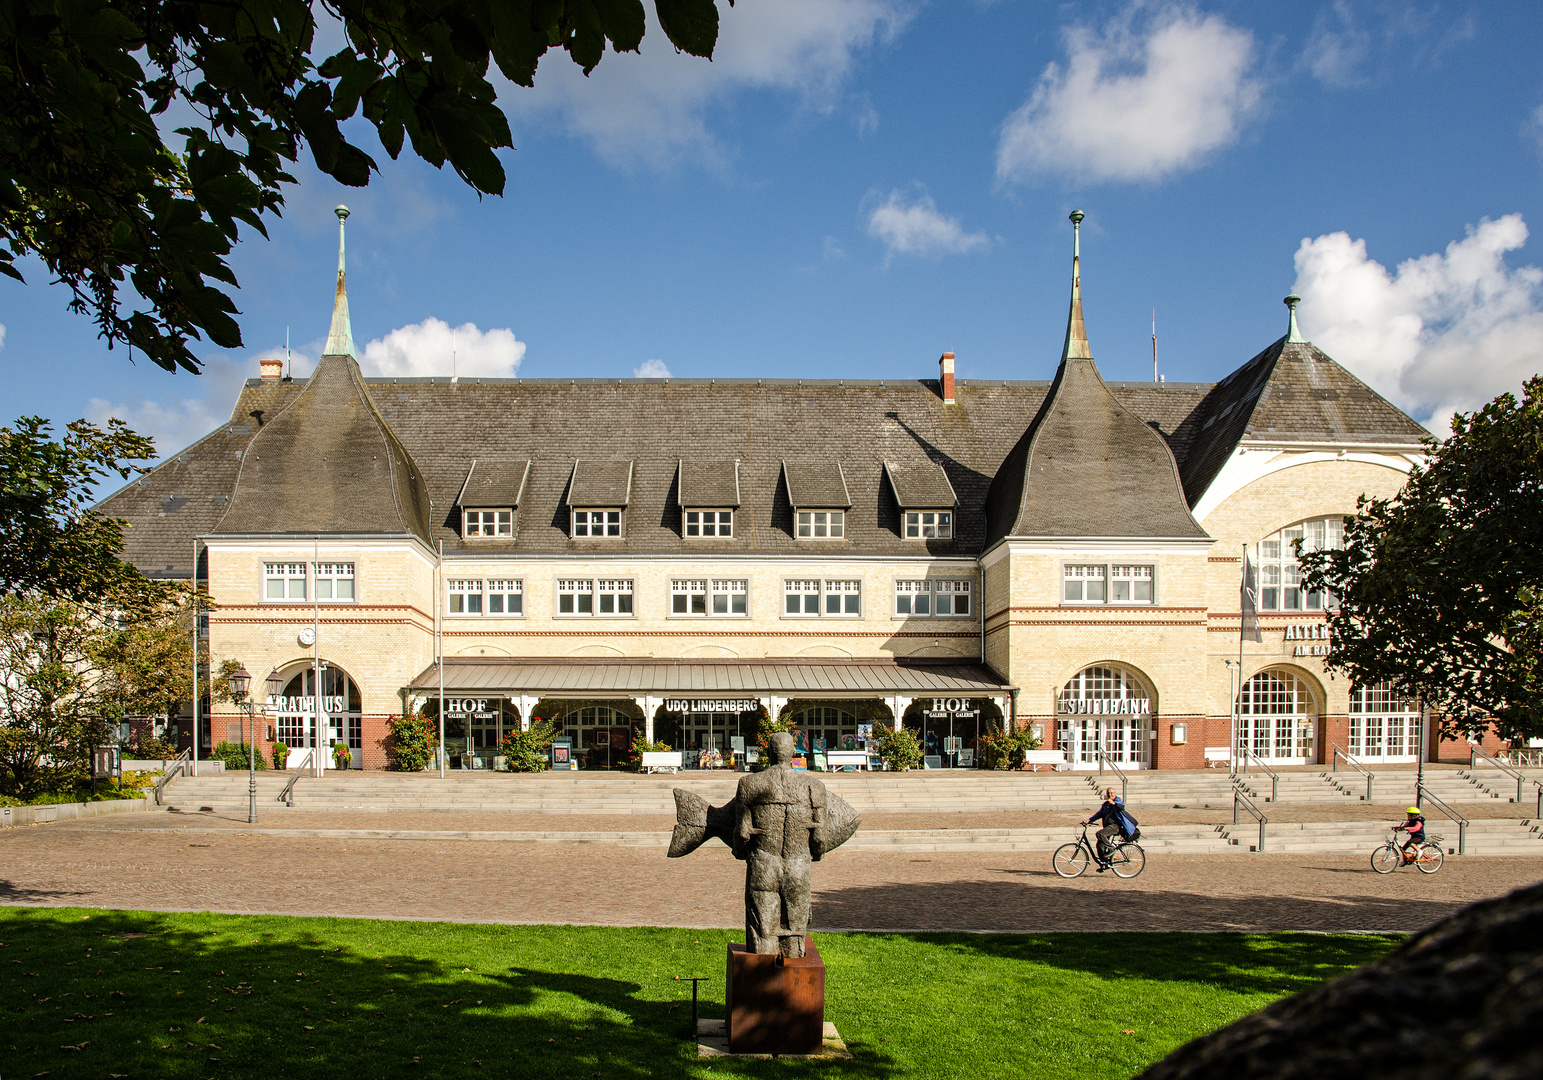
{"points": [[1087, 466]]}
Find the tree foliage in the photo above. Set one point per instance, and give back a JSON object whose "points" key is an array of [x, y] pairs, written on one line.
{"points": [[139, 230], [51, 541], [1440, 588], [526, 751]]}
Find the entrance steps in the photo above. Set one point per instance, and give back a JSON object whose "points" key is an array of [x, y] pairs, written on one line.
{"points": [[1300, 788]]}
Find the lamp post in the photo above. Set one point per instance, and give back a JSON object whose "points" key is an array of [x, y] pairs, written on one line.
{"points": [[240, 683]]}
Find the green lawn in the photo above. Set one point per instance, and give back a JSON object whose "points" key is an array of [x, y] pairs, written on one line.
{"points": [[91, 993]]}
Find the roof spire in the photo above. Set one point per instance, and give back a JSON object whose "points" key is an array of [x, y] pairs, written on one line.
{"points": [[1292, 333], [1076, 347], [340, 339]]}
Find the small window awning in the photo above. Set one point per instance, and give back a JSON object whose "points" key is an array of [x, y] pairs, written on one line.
{"points": [[627, 677], [920, 485], [708, 484], [816, 485], [600, 482], [492, 482]]}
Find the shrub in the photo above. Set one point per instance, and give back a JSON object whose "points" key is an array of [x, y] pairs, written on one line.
{"points": [[149, 748], [770, 727], [526, 751], [342, 756], [237, 756], [407, 745], [641, 746], [898, 750], [280, 755], [1005, 749]]}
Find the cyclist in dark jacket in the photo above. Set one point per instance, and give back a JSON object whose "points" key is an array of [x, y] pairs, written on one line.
{"points": [[1112, 814]]}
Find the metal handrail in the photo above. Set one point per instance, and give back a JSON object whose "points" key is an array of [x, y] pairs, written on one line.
{"points": [[1475, 756], [1354, 764], [1240, 799], [1274, 777], [178, 767], [1422, 796], [287, 796], [1104, 759]]}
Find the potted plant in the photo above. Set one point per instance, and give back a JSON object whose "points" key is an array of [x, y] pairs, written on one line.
{"points": [[342, 757], [280, 756]]}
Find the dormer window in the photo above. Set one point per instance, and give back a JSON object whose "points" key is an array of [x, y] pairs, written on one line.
{"points": [[590, 523], [929, 524], [820, 498], [822, 524], [709, 523], [487, 523]]}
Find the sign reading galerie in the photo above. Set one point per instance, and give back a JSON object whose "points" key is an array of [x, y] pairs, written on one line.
{"points": [[711, 705]]}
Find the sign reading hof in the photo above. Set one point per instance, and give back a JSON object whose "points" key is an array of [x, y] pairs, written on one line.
{"points": [[473, 708], [778, 823], [705, 705]]}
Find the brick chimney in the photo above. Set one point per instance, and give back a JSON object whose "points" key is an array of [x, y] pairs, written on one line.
{"points": [[946, 377], [272, 367]]}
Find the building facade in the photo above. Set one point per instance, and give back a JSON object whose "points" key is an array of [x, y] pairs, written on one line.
{"points": [[671, 557]]}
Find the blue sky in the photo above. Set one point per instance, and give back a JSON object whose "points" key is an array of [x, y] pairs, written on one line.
{"points": [[854, 186]]}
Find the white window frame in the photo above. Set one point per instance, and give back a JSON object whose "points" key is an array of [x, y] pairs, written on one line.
{"points": [[845, 596], [695, 523], [484, 524], [582, 592], [590, 518], [597, 595], [511, 592], [1105, 575], [288, 573], [463, 597], [618, 593], [919, 598], [807, 590], [709, 598], [918, 522], [1275, 561], [329, 579], [819, 524]]}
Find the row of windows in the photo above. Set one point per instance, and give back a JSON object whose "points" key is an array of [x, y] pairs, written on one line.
{"points": [[1107, 583], [288, 581], [1280, 578], [711, 597], [811, 525]]}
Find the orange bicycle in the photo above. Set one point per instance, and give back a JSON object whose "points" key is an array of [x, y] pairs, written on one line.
{"points": [[1427, 856]]}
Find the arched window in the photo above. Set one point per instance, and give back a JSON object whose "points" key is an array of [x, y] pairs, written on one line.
{"points": [[295, 714], [1108, 709], [1278, 717], [1384, 725], [1280, 578]]}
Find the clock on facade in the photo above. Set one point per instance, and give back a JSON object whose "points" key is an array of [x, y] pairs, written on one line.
{"points": [[308, 636]]}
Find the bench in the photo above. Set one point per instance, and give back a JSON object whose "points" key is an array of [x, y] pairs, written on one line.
{"points": [[1055, 759], [847, 760], [661, 761], [1216, 756]]}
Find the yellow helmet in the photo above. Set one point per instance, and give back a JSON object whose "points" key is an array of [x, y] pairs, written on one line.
{"points": [[1413, 810]]}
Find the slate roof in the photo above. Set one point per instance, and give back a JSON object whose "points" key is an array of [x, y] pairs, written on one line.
{"points": [[600, 483], [328, 464], [493, 482], [920, 485], [1290, 392], [817, 484], [706, 484]]}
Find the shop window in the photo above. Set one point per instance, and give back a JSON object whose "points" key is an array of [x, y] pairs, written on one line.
{"points": [[1108, 583], [284, 581], [506, 597], [709, 523], [335, 581], [1280, 578], [821, 524], [465, 597], [488, 523], [929, 524], [597, 523]]}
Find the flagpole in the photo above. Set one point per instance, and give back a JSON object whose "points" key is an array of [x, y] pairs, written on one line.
{"points": [[1237, 706]]}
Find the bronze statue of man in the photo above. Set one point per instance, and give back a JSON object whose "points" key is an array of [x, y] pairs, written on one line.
{"points": [[780, 822]]}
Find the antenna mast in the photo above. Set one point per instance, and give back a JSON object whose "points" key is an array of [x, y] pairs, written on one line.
{"points": [[1154, 346], [289, 361]]}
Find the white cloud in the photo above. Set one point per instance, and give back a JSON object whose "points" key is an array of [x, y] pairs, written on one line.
{"points": [[652, 369], [178, 422], [918, 228], [426, 348], [1154, 93], [1338, 48], [1444, 332], [650, 109], [2, 335], [1533, 128]]}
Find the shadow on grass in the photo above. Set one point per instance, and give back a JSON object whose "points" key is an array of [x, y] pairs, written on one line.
{"points": [[91, 992], [12, 894]]}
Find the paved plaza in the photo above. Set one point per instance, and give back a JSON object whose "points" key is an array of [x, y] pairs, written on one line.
{"points": [[296, 864]]}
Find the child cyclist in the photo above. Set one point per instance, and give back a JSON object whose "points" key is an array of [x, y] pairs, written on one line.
{"points": [[1414, 825]]}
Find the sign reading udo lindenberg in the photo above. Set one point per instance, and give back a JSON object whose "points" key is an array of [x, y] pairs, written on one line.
{"points": [[711, 705]]}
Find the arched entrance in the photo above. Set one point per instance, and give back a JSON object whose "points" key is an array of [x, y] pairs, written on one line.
{"points": [[295, 717], [1384, 726], [1105, 708], [1278, 717], [824, 727]]}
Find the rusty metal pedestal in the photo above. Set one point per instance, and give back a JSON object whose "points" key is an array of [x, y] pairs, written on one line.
{"points": [[774, 1004]]}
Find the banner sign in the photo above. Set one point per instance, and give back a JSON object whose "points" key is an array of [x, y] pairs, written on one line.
{"points": [[473, 708], [332, 704], [709, 705], [1106, 706]]}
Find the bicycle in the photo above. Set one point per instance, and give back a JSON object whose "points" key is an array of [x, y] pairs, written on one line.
{"points": [[1126, 859], [1427, 855]]}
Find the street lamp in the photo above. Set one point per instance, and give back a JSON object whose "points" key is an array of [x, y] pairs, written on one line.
{"points": [[240, 683]]}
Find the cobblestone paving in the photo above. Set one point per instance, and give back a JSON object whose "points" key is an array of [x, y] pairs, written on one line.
{"points": [[101, 863]]}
